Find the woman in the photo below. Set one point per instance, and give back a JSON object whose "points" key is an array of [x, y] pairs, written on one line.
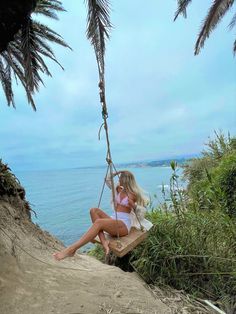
{"points": [[127, 196]]}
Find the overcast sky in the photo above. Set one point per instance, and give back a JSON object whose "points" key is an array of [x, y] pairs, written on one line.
{"points": [[163, 101]]}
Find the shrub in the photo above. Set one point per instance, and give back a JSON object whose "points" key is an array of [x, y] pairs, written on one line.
{"points": [[97, 252], [9, 184], [196, 252], [224, 180], [211, 178]]}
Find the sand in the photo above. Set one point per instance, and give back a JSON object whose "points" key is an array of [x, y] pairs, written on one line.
{"points": [[32, 282]]}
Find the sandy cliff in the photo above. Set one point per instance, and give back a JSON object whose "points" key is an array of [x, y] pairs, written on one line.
{"points": [[32, 282]]}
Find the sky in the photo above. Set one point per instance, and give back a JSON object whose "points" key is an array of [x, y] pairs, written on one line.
{"points": [[163, 102]]}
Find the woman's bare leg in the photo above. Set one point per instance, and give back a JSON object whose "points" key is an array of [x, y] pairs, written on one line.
{"points": [[108, 225], [97, 213]]}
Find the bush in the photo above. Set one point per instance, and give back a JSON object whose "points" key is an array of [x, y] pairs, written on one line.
{"points": [[224, 180], [97, 252], [196, 252], [192, 245], [9, 184], [216, 191], [212, 178]]}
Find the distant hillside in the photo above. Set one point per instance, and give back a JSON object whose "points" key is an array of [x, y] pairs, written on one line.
{"points": [[152, 163], [156, 163]]}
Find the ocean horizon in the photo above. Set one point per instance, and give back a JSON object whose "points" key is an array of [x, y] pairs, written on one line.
{"points": [[149, 163]]}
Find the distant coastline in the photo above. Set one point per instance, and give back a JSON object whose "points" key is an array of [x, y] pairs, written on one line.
{"points": [[155, 163], [181, 161], [165, 163]]}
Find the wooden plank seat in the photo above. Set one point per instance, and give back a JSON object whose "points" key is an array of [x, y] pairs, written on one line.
{"points": [[126, 243]]}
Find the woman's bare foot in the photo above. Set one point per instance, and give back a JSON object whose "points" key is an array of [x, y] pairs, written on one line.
{"points": [[106, 248], [63, 254]]}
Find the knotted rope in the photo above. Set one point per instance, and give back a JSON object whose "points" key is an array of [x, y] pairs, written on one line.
{"points": [[101, 86], [110, 164]]}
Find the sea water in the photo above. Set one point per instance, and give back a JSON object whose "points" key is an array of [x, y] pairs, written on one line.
{"points": [[62, 198]]}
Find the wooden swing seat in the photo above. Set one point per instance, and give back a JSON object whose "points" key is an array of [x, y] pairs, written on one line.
{"points": [[127, 243]]}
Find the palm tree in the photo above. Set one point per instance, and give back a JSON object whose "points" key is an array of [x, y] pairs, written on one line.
{"points": [[216, 12], [23, 56], [13, 14]]}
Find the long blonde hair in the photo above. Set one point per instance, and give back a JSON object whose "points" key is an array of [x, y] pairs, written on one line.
{"points": [[127, 180]]}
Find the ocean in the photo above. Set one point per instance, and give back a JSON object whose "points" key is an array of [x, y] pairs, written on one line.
{"points": [[62, 198]]}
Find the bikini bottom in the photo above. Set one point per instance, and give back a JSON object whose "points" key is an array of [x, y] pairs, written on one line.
{"points": [[125, 217]]}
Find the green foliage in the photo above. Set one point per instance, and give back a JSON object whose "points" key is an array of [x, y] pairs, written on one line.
{"points": [[195, 252], [216, 12], [98, 252], [177, 195], [216, 149], [9, 184], [211, 178], [192, 245], [224, 181], [24, 56]]}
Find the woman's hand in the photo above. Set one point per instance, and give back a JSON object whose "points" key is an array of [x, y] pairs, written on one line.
{"points": [[132, 202], [116, 173], [119, 188]]}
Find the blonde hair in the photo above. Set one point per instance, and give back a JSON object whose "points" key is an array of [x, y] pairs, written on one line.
{"points": [[127, 180]]}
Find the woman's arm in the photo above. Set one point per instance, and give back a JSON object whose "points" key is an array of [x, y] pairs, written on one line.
{"points": [[108, 178], [132, 201]]}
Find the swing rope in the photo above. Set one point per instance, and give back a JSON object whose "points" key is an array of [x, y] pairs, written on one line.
{"points": [[100, 31], [103, 186], [101, 86], [101, 194]]}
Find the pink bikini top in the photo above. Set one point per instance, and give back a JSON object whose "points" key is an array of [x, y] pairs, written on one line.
{"points": [[123, 202]]}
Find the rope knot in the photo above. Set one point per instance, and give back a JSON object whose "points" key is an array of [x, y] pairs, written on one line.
{"points": [[109, 161], [104, 112], [101, 85], [102, 97]]}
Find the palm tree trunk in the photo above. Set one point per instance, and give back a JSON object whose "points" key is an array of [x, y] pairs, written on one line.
{"points": [[13, 15]]}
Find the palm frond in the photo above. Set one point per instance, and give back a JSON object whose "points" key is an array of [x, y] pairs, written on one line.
{"points": [[214, 16], [45, 53], [20, 73], [5, 78], [46, 33], [98, 28], [24, 56], [182, 8], [49, 8], [16, 63], [233, 22], [31, 66], [41, 64], [44, 49], [29, 97], [44, 45]]}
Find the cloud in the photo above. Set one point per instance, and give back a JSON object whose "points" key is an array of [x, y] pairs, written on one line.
{"points": [[162, 100]]}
